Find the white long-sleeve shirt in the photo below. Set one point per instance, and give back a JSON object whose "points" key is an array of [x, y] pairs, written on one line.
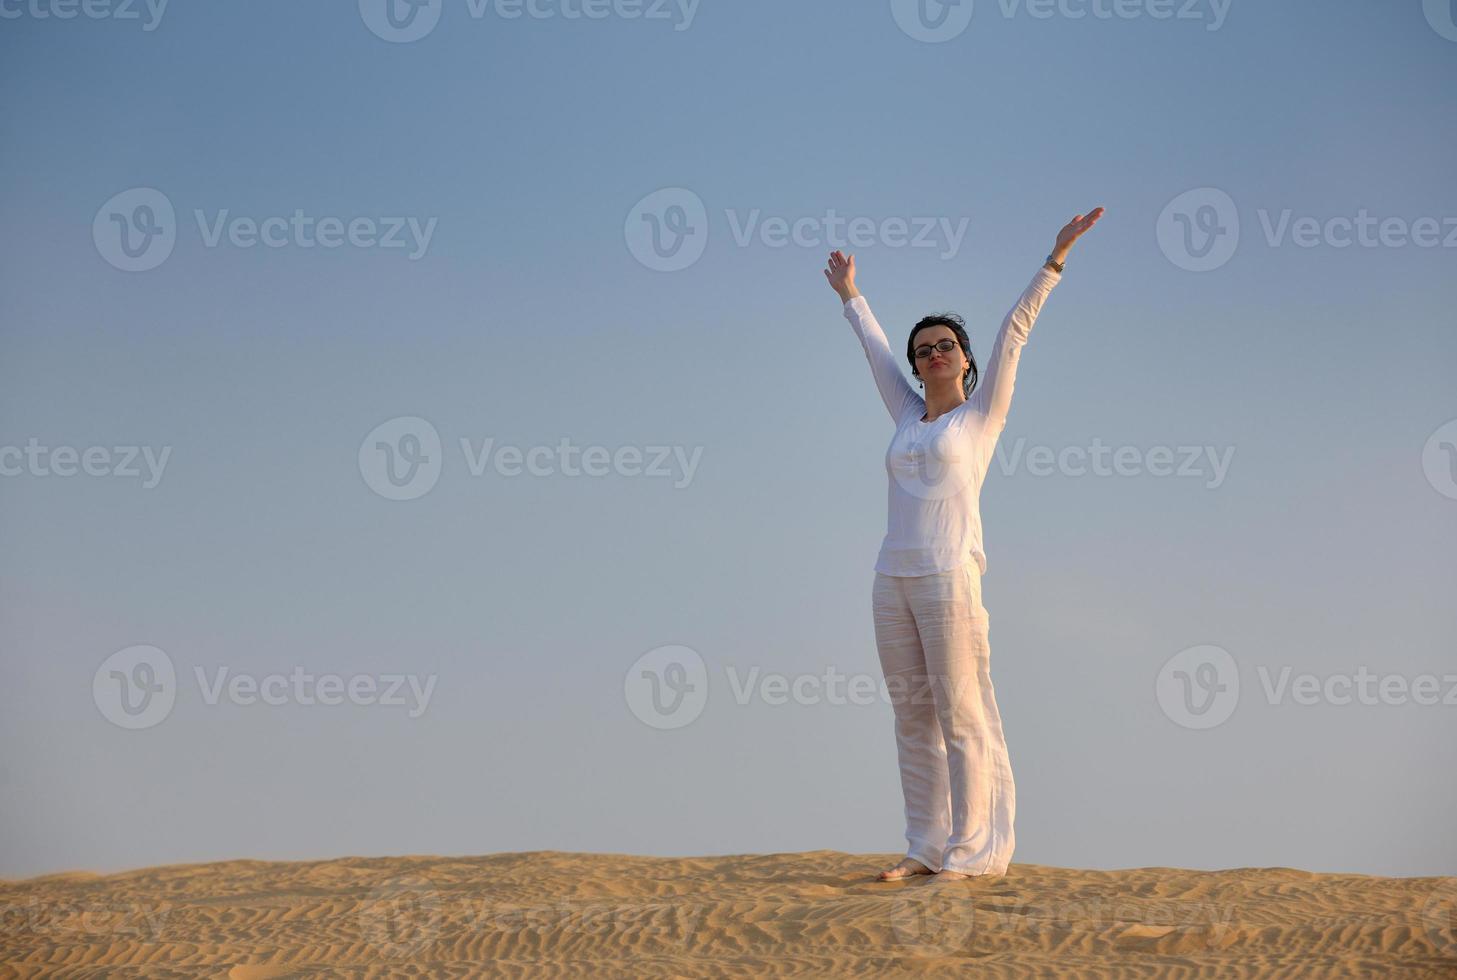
{"points": [[936, 468]]}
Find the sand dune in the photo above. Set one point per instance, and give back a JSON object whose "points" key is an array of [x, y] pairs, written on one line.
{"points": [[811, 914]]}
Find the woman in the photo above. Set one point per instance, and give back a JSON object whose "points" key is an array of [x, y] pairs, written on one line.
{"points": [[931, 629]]}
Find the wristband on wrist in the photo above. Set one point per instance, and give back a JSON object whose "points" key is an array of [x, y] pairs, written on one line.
{"points": [[1055, 266]]}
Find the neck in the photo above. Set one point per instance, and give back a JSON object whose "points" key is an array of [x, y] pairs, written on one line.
{"points": [[943, 397]]}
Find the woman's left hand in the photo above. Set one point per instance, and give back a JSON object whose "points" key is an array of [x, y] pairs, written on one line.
{"points": [[1074, 229]]}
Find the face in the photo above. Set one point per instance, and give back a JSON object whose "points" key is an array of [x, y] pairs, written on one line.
{"points": [[947, 364]]}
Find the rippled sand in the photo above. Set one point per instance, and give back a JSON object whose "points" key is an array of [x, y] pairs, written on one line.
{"points": [[811, 914]]}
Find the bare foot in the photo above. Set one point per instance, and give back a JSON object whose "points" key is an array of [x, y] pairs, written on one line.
{"points": [[905, 869], [944, 876]]}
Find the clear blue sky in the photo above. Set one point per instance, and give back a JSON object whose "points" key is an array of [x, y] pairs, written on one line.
{"points": [[1321, 373]]}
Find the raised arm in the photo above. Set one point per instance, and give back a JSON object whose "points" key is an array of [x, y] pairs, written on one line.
{"points": [[895, 390], [993, 394]]}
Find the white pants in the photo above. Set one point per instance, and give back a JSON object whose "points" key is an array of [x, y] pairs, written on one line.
{"points": [[932, 636]]}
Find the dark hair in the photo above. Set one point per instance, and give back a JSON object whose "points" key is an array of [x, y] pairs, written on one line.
{"points": [[968, 381]]}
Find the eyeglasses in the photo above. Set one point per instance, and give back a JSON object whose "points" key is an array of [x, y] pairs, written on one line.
{"points": [[924, 351]]}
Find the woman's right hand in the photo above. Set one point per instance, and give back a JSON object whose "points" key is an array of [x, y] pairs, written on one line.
{"points": [[841, 275]]}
